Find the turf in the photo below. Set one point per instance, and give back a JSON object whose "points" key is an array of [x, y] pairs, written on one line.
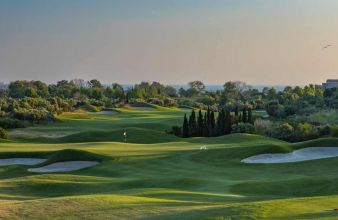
{"points": [[155, 175]]}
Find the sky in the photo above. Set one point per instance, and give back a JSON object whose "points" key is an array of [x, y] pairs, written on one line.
{"points": [[275, 42]]}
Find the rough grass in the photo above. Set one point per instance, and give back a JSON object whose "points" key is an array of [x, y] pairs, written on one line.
{"points": [[157, 176]]}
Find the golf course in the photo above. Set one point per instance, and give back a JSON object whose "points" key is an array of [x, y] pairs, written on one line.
{"points": [[151, 174]]}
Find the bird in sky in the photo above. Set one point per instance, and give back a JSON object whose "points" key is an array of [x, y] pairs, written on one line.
{"points": [[327, 46]]}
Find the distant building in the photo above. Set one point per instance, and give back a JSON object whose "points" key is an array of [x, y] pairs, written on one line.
{"points": [[330, 83]]}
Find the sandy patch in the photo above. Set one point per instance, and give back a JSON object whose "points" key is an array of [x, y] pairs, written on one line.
{"points": [[310, 153], [28, 133], [106, 113], [20, 161], [63, 166]]}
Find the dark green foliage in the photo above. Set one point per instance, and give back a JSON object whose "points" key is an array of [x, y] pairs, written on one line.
{"points": [[185, 127], [250, 119], [243, 128], [205, 125], [228, 123], [192, 123], [3, 134], [9, 123], [212, 124], [244, 116], [200, 124]]}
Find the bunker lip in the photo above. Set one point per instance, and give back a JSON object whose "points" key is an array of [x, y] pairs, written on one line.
{"points": [[66, 166], [20, 161], [305, 154]]}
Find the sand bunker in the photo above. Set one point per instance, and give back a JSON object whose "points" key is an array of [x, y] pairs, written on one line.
{"points": [[63, 166], [106, 113], [20, 161], [310, 153]]}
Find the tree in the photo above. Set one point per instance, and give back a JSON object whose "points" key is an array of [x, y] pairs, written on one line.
{"points": [[244, 115], [200, 124], [94, 83], [192, 123], [197, 85], [212, 127], [205, 125], [185, 127], [219, 123], [3, 133], [228, 123], [250, 120], [274, 109]]}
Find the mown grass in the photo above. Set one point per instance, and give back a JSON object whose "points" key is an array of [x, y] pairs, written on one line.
{"points": [[158, 176]]}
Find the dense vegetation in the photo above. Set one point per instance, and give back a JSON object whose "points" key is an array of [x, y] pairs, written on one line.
{"points": [[294, 114]]}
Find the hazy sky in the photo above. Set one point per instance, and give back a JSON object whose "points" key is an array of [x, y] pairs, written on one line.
{"points": [[171, 41]]}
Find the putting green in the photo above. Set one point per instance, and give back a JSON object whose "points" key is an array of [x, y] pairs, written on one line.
{"points": [[156, 175]]}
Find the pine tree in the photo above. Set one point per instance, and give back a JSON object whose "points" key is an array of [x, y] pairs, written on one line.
{"points": [[200, 124], [244, 116], [185, 128]]}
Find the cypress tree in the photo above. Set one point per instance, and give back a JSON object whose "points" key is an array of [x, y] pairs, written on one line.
{"points": [[223, 122], [228, 122], [237, 119], [236, 111], [219, 123], [250, 120], [200, 124], [205, 125], [192, 123], [208, 119], [212, 127], [244, 115], [185, 128]]}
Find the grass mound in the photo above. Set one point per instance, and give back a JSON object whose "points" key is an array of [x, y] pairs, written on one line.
{"points": [[72, 155]]}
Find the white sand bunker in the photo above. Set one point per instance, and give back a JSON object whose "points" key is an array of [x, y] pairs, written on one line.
{"points": [[310, 153], [106, 113], [20, 161], [63, 166]]}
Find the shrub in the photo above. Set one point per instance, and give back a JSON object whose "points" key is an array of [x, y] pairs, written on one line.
{"points": [[155, 101], [8, 123], [243, 128], [176, 130], [263, 126], [3, 134], [169, 102], [91, 108], [334, 131]]}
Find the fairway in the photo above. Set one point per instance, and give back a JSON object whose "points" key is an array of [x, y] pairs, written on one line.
{"points": [[155, 175]]}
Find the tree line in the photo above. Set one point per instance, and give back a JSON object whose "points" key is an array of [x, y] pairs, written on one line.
{"points": [[212, 124]]}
